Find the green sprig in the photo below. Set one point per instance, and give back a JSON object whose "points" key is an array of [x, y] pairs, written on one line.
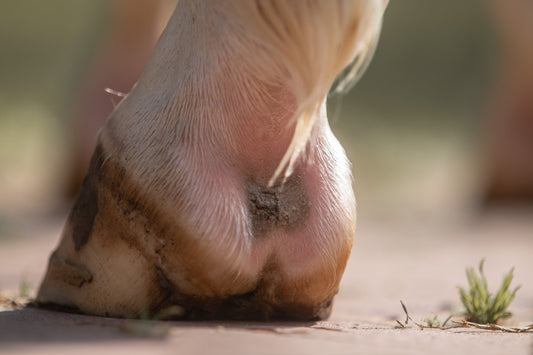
{"points": [[480, 305]]}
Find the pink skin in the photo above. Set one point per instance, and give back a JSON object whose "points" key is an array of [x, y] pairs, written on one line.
{"points": [[231, 129], [223, 168]]}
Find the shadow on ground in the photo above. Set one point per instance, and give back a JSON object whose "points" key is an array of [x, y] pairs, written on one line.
{"points": [[36, 325]]}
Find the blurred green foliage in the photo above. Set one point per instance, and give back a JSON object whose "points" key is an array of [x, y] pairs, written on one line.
{"points": [[433, 58], [45, 47]]}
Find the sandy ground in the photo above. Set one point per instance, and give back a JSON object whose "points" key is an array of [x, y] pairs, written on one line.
{"points": [[417, 261]]}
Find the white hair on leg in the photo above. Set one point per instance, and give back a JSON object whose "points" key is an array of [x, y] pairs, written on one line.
{"points": [[312, 44]]}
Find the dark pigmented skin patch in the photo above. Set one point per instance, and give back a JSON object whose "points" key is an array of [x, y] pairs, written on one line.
{"points": [[281, 206], [86, 206]]}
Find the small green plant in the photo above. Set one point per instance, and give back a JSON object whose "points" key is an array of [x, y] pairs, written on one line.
{"points": [[432, 322], [24, 289], [480, 305]]}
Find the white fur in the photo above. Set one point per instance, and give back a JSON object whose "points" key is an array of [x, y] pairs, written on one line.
{"points": [[223, 69]]}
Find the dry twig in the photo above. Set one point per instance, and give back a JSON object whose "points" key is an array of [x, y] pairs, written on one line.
{"points": [[466, 324], [408, 318]]}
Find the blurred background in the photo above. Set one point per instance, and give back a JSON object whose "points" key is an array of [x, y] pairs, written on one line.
{"points": [[439, 131], [418, 127]]}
